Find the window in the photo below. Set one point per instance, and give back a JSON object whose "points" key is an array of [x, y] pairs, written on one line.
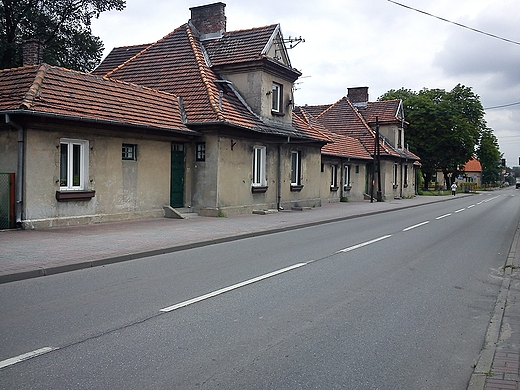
{"points": [[333, 177], [346, 175], [276, 102], [200, 151], [405, 174], [400, 139], [396, 174], [296, 165], [129, 152], [73, 164], [259, 179]]}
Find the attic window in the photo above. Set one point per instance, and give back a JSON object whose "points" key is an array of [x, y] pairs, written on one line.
{"points": [[277, 101]]}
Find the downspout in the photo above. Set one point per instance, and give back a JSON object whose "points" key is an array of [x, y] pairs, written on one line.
{"points": [[19, 169]]}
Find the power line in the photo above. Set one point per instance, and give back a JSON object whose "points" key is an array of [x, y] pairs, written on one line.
{"points": [[502, 106], [455, 23]]}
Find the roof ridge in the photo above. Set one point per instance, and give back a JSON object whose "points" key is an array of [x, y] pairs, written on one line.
{"points": [[329, 107], [358, 114], [199, 58], [251, 29], [35, 88]]}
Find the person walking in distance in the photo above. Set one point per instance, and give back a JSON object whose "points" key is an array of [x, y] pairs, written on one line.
{"points": [[453, 188]]}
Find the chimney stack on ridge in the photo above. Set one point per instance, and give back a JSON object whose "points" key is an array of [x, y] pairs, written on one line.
{"points": [[209, 20], [32, 52], [358, 96]]}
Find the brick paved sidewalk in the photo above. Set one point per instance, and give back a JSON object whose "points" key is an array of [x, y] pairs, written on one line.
{"points": [[504, 372]]}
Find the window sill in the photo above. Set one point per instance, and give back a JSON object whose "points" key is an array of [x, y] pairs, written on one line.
{"points": [[66, 196], [334, 188], [296, 188], [277, 113], [347, 188], [259, 189]]}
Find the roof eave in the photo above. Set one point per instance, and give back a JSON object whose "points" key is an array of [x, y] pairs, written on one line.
{"points": [[22, 112]]}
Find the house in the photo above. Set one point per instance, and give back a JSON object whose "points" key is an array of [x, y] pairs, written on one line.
{"points": [[469, 176], [471, 173], [354, 116], [84, 149], [202, 118], [344, 163], [236, 89]]}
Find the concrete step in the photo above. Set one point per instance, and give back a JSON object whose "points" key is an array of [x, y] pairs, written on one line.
{"points": [[179, 213]]}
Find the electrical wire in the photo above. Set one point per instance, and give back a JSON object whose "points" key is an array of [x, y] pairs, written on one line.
{"points": [[502, 106], [455, 23]]}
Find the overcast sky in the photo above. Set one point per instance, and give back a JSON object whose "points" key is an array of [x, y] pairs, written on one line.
{"points": [[373, 43]]}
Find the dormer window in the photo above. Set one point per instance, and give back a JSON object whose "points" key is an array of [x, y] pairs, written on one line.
{"points": [[276, 102]]}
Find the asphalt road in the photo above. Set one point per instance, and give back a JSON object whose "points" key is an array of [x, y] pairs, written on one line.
{"points": [[400, 300]]}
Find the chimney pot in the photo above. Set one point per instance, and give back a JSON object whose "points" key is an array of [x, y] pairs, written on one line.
{"points": [[32, 52], [209, 20]]}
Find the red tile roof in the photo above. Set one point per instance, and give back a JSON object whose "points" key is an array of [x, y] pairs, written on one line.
{"points": [[339, 145], [117, 56], [240, 46], [177, 64], [49, 90], [345, 119], [387, 111], [473, 165]]}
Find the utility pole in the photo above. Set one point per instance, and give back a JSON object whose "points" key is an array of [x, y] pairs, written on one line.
{"points": [[374, 169]]}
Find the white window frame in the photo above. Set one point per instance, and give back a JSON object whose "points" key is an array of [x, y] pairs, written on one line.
{"points": [[259, 166], [346, 175], [296, 167], [67, 173], [277, 98], [395, 174], [333, 176]]}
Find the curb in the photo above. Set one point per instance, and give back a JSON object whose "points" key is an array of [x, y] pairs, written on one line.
{"points": [[484, 365], [42, 271]]}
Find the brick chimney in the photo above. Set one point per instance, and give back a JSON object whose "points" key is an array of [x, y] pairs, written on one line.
{"points": [[32, 52], [358, 96], [209, 20]]}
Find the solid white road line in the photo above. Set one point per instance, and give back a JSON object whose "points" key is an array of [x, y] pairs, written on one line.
{"points": [[25, 356], [443, 216], [229, 288], [415, 226], [351, 248]]}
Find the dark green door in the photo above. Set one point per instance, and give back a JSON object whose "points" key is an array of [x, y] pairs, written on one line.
{"points": [[177, 176]]}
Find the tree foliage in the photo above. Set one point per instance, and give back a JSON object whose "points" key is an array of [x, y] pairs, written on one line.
{"points": [[489, 156], [63, 26], [444, 127]]}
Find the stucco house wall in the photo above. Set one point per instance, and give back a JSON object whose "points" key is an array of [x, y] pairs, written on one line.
{"points": [[354, 190], [123, 189]]}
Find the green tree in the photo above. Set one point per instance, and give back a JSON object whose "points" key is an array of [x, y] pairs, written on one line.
{"points": [[444, 127], [489, 156], [63, 26]]}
